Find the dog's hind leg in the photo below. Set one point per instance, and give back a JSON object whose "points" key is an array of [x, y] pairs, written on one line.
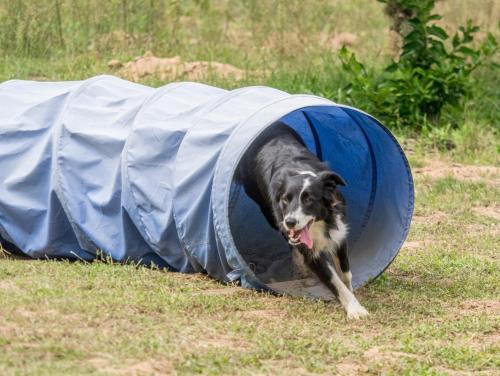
{"points": [[345, 270]]}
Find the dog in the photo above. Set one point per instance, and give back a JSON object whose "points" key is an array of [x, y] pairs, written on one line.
{"points": [[298, 195]]}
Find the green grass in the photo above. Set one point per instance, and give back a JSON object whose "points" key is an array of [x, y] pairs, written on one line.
{"points": [[435, 310], [290, 41]]}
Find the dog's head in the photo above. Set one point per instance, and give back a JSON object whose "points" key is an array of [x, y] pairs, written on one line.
{"points": [[305, 197]]}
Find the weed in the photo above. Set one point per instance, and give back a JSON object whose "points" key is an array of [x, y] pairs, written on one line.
{"points": [[427, 77]]}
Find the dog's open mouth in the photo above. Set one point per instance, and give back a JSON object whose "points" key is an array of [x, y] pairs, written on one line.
{"points": [[302, 236]]}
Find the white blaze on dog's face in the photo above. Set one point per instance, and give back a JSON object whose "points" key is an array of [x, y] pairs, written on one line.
{"points": [[296, 219], [305, 198]]}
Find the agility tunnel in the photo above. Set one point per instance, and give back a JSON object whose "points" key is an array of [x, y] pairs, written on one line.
{"points": [[109, 167]]}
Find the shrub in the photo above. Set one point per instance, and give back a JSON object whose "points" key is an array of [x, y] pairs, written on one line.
{"points": [[429, 74]]}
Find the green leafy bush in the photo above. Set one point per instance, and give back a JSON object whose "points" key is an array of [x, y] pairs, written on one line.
{"points": [[429, 74]]}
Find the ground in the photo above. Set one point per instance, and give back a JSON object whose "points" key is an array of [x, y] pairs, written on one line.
{"points": [[435, 311]]}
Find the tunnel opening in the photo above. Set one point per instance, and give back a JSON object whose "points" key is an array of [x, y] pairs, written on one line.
{"points": [[379, 197]]}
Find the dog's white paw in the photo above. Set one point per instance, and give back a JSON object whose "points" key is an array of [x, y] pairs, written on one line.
{"points": [[356, 311]]}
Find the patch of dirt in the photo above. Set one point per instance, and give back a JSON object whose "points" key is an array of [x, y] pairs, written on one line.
{"points": [[378, 355], [132, 367], [438, 169], [383, 359], [412, 245], [173, 68], [453, 372], [220, 341], [410, 278], [266, 314], [27, 314], [482, 341], [471, 229], [189, 339], [151, 367], [477, 229], [488, 211], [490, 339], [481, 229], [343, 39], [337, 40], [286, 367], [489, 307], [435, 218], [7, 328], [10, 286], [42, 314], [348, 368]]}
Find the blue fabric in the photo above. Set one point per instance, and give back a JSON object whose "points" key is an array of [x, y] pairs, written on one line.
{"points": [[147, 175]]}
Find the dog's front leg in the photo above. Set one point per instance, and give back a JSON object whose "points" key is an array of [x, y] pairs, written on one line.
{"points": [[299, 261], [324, 268], [343, 267]]}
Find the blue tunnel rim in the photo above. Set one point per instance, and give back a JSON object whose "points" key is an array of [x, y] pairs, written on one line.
{"points": [[223, 178]]}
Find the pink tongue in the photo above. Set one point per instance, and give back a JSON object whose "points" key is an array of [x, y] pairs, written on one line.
{"points": [[305, 237]]}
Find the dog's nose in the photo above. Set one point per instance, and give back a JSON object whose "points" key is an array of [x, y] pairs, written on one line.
{"points": [[290, 222]]}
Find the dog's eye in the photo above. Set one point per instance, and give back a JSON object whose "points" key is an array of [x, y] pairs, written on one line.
{"points": [[306, 197], [285, 199]]}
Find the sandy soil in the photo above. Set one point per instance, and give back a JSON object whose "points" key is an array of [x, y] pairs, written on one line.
{"points": [[174, 68], [438, 169]]}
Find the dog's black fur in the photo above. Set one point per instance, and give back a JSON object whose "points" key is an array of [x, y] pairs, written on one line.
{"points": [[291, 185]]}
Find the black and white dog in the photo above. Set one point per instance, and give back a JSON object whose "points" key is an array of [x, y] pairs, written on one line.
{"points": [[298, 195]]}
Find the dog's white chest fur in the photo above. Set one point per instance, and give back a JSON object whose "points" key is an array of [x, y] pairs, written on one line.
{"points": [[322, 242]]}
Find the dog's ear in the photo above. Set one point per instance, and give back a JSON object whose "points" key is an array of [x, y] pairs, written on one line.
{"points": [[331, 179], [330, 182], [277, 187]]}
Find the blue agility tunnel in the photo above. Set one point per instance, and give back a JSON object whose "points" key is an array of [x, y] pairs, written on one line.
{"points": [[106, 166]]}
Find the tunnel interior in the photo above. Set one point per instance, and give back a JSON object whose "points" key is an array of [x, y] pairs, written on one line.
{"points": [[378, 193]]}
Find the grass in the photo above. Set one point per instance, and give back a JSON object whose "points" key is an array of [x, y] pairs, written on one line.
{"points": [[291, 43], [435, 311]]}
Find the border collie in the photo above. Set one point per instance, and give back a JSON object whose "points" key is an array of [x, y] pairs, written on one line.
{"points": [[298, 196]]}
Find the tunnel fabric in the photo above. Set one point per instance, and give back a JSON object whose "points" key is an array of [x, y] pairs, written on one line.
{"points": [[110, 167]]}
